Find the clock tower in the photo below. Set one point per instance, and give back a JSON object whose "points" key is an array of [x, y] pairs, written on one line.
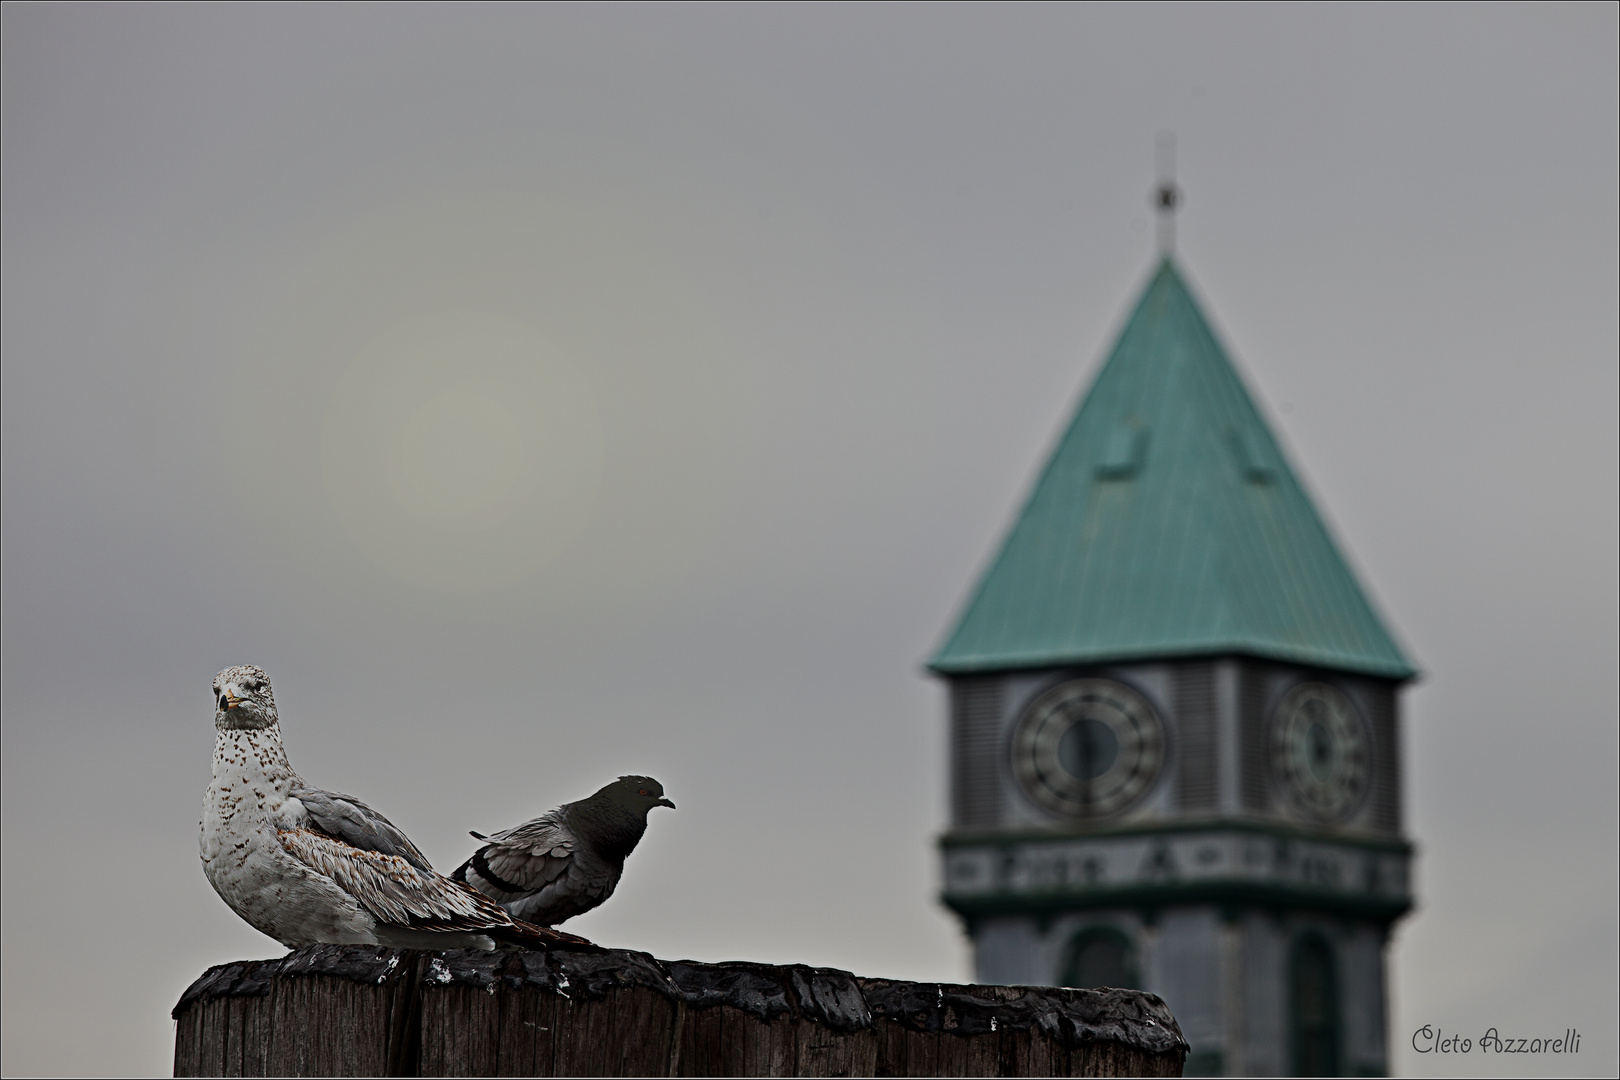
{"points": [[1175, 739]]}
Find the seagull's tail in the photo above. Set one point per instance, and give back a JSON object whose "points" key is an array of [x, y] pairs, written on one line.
{"points": [[490, 919], [530, 936]]}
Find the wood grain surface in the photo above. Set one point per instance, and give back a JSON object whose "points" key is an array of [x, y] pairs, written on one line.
{"points": [[329, 1010]]}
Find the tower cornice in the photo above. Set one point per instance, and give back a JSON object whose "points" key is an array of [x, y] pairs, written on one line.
{"points": [[1272, 829]]}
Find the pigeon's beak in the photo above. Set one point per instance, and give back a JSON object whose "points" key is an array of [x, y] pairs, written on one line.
{"points": [[664, 802]]}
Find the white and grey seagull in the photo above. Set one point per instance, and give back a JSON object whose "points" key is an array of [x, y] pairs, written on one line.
{"points": [[305, 865]]}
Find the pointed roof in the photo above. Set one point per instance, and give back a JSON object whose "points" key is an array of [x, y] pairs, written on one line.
{"points": [[1167, 523]]}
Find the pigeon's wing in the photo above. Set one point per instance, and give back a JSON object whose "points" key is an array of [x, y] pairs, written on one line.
{"points": [[392, 888], [522, 861], [346, 818]]}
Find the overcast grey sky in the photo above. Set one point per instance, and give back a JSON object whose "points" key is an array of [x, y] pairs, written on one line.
{"points": [[807, 292]]}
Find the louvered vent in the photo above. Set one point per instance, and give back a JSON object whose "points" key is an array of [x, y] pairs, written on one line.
{"points": [[1252, 732], [975, 725], [1195, 722], [1386, 807]]}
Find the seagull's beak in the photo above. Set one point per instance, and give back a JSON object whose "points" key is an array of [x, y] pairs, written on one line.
{"points": [[232, 701], [664, 802]]}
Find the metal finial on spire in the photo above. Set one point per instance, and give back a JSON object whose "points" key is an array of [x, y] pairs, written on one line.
{"points": [[1166, 196]]}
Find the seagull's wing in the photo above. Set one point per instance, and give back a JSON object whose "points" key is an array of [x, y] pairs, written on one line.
{"points": [[397, 893], [358, 825], [521, 862]]}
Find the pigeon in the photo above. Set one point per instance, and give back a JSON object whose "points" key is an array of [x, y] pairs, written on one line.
{"points": [[305, 865], [566, 862]]}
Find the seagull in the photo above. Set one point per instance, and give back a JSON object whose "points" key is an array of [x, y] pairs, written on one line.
{"points": [[305, 865], [566, 862]]}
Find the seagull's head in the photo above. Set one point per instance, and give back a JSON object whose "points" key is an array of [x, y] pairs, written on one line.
{"points": [[242, 698], [640, 793]]}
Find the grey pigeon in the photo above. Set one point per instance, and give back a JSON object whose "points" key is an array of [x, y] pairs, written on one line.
{"points": [[566, 862]]}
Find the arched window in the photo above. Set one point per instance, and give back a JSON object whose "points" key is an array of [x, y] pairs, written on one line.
{"points": [[1100, 956], [1313, 994]]}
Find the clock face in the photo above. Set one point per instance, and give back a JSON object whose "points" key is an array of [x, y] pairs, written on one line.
{"points": [[1087, 748], [1319, 751]]}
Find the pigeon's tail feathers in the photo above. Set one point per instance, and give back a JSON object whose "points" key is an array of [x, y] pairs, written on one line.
{"points": [[460, 872], [476, 835]]}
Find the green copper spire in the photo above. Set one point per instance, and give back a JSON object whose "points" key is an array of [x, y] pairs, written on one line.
{"points": [[1167, 523]]}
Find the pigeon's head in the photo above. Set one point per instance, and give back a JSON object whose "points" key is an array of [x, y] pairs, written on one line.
{"points": [[638, 793], [242, 698]]}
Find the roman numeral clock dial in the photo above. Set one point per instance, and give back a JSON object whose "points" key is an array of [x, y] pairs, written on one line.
{"points": [[1319, 752], [1087, 748]]}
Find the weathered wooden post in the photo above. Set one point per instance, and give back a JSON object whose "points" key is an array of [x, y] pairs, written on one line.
{"points": [[333, 1010]]}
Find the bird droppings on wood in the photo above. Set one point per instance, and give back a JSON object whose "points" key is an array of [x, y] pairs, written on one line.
{"points": [[355, 1010]]}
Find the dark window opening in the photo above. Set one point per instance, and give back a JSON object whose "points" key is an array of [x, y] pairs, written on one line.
{"points": [[1100, 956], [1314, 1000]]}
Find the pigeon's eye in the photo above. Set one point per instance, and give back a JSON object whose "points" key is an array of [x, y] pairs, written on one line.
{"points": [[643, 791]]}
